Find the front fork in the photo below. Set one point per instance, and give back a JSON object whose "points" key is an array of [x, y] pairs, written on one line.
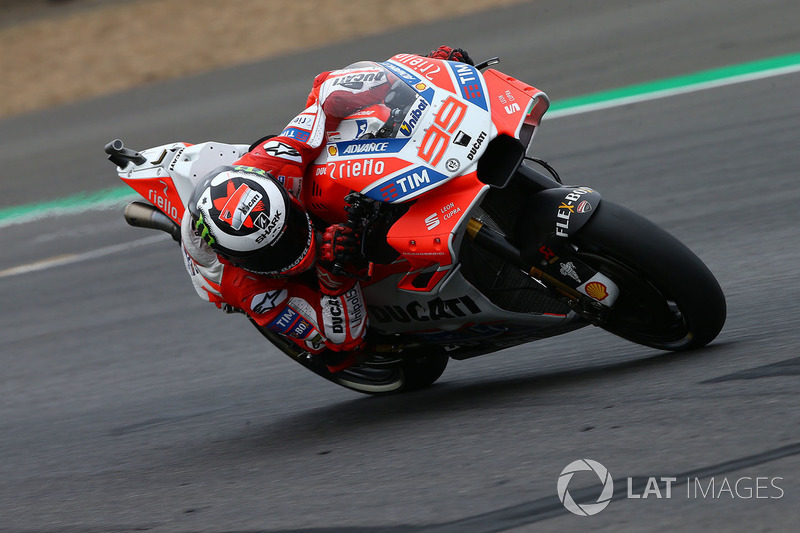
{"points": [[551, 215], [557, 268]]}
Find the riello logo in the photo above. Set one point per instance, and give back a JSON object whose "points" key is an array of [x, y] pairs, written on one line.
{"points": [[162, 202]]}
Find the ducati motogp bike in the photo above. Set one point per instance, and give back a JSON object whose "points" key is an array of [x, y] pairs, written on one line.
{"points": [[474, 247]]}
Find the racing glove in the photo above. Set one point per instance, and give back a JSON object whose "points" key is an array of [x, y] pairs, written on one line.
{"points": [[338, 254], [451, 54]]}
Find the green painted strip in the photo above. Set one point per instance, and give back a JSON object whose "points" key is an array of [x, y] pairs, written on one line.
{"points": [[75, 203], [115, 196], [695, 78]]}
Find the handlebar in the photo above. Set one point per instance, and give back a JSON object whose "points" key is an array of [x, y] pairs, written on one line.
{"points": [[362, 211]]}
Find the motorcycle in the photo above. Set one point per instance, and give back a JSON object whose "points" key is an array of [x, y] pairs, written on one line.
{"points": [[472, 248]]}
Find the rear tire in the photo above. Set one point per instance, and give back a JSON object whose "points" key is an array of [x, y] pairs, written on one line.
{"points": [[378, 376], [411, 373], [668, 298]]}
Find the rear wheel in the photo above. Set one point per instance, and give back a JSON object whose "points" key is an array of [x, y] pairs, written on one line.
{"points": [[668, 298], [378, 375]]}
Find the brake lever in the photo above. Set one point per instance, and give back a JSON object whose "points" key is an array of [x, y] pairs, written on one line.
{"points": [[488, 63]]}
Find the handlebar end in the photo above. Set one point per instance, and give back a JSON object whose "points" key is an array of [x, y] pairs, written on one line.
{"points": [[121, 156]]}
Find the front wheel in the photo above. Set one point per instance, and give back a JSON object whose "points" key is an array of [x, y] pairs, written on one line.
{"points": [[668, 298]]}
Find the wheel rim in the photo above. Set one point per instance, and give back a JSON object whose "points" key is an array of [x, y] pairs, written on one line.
{"points": [[367, 379], [643, 313]]}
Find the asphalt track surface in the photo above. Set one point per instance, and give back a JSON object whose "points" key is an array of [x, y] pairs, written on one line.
{"points": [[126, 404]]}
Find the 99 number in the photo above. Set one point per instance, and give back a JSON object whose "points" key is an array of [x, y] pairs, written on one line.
{"points": [[436, 139]]}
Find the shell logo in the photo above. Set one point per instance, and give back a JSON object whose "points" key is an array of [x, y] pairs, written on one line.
{"points": [[596, 290], [332, 150], [421, 86]]}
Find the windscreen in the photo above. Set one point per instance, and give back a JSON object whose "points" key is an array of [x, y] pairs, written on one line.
{"points": [[369, 90]]}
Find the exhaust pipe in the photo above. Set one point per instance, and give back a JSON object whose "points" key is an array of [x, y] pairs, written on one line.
{"points": [[142, 215]]}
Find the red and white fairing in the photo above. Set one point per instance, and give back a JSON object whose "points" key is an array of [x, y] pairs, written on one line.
{"points": [[452, 112], [171, 172]]}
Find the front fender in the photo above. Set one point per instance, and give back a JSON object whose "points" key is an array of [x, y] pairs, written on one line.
{"points": [[554, 214]]}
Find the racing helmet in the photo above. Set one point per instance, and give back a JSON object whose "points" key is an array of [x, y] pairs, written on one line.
{"points": [[246, 216]]}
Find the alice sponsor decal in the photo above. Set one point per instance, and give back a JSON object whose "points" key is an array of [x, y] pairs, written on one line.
{"points": [[303, 121]]}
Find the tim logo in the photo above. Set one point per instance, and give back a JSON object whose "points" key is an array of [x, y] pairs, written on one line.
{"points": [[470, 83], [389, 192]]}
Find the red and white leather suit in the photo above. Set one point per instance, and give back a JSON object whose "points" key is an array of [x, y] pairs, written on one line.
{"points": [[297, 305]]}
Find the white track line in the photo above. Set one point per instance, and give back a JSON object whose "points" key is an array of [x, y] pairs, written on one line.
{"points": [[69, 259]]}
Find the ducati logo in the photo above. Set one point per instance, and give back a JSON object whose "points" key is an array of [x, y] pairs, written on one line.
{"points": [[235, 209]]}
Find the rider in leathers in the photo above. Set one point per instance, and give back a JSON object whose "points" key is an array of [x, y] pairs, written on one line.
{"points": [[250, 246]]}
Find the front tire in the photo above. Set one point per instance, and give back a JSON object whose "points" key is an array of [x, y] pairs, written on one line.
{"points": [[668, 298]]}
